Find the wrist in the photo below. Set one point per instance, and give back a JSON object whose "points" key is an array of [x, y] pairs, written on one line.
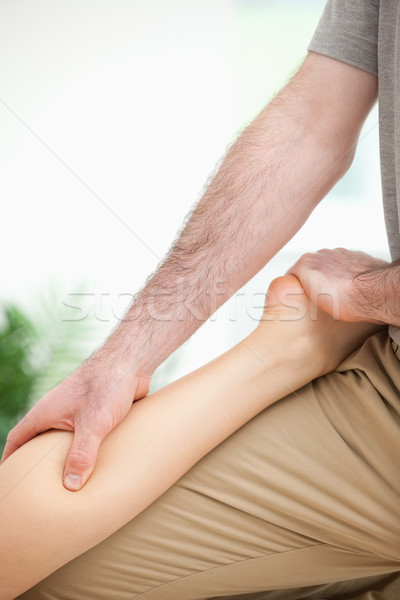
{"points": [[369, 298], [154, 326], [124, 354]]}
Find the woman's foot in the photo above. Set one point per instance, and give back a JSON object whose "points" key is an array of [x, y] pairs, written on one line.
{"points": [[300, 331]]}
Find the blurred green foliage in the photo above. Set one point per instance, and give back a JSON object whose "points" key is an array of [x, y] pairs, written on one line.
{"points": [[17, 371]]}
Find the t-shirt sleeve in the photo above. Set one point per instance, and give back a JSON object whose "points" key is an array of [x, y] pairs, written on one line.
{"points": [[348, 31]]}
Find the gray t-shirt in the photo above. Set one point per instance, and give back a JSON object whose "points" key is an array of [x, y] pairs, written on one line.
{"points": [[366, 34]]}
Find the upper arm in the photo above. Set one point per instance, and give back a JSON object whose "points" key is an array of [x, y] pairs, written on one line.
{"points": [[340, 97], [343, 63]]}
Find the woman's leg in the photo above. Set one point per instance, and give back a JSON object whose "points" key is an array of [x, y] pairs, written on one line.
{"points": [[44, 525], [301, 502]]}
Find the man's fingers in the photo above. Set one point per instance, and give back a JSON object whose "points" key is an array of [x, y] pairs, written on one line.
{"points": [[81, 459], [9, 448], [24, 431]]}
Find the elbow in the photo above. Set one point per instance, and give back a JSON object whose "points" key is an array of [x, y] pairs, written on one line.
{"points": [[332, 160], [344, 159]]}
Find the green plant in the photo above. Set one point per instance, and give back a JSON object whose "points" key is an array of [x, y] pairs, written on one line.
{"points": [[17, 372]]}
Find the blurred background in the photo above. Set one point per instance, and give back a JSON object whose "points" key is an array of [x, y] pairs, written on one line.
{"points": [[112, 118]]}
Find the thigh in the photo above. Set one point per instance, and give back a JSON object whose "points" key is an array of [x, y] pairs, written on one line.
{"points": [[304, 494]]}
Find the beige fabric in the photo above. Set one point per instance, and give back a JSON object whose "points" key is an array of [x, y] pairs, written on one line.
{"points": [[305, 495]]}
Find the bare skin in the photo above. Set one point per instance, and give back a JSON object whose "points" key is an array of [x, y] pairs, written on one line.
{"points": [[352, 286], [293, 343], [273, 176]]}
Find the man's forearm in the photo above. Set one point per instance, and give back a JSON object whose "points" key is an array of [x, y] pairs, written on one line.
{"points": [[269, 182], [376, 296]]}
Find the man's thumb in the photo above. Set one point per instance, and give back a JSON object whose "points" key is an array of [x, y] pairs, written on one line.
{"points": [[81, 460]]}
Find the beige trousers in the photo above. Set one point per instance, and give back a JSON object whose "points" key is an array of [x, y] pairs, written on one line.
{"points": [[301, 502]]}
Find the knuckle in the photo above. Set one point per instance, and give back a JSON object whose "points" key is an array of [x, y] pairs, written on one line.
{"points": [[310, 260], [11, 436], [306, 257], [15, 432], [80, 458]]}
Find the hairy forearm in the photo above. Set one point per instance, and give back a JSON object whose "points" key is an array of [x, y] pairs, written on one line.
{"points": [[376, 294], [272, 177]]}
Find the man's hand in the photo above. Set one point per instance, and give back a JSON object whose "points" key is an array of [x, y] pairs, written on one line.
{"points": [[90, 402], [331, 278]]}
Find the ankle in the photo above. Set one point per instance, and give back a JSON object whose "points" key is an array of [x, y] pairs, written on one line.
{"points": [[294, 356]]}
